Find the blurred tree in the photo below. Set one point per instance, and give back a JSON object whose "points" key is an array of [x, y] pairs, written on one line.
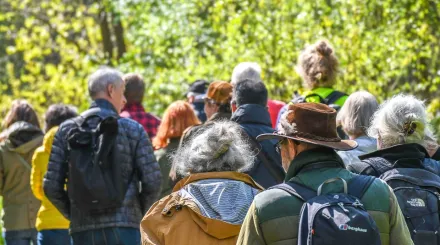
{"points": [[48, 47]]}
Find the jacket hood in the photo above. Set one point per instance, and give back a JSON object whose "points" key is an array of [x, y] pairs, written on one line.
{"points": [[394, 153], [221, 200], [252, 114], [23, 137]]}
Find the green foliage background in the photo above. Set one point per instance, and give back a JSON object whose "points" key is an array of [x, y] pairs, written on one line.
{"points": [[48, 47]]}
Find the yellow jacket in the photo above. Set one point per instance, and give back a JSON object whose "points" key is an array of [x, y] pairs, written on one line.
{"points": [[48, 216]]}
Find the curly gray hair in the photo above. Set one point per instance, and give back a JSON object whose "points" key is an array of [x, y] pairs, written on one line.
{"points": [[401, 119], [217, 148]]}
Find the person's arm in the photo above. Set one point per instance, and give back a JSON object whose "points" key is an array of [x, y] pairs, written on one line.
{"points": [[56, 175], [399, 233], [38, 160], [251, 233], [148, 171]]}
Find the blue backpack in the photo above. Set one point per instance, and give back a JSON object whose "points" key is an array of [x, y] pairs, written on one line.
{"points": [[336, 218]]}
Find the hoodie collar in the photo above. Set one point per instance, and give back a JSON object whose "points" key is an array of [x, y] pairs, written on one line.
{"points": [[23, 137], [252, 114], [217, 175], [103, 104], [309, 157]]}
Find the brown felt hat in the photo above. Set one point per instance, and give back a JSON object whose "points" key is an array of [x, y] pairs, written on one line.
{"points": [[220, 92], [312, 123]]}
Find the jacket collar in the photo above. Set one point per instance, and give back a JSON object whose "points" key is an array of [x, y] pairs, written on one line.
{"points": [[309, 157], [252, 114], [217, 175], [397, 152], [220, 116], [103, 104]]}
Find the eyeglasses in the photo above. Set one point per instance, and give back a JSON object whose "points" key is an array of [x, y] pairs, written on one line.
{"points": [[210, 101], [278, 146]]}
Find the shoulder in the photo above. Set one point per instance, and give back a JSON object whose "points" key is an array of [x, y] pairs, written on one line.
{"points": [[275, 203], [377, 197], [432, 165], [131, 126]]}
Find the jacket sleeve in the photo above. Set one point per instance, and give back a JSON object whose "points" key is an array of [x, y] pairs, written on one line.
{"points": [[251, 233], [399, 233], [56, 175], [37, 172], [148, 171]]}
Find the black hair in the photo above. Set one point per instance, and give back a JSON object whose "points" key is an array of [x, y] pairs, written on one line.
{"points": [[250, 92], [57, 114]]}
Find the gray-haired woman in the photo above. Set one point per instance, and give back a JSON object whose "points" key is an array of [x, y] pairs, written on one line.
{"points": [[209, 205], [403, 133], [354, 117]]}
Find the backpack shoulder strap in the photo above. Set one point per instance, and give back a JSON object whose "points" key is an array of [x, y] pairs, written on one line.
{"points": [[86, 115], [334, 96], [295, 189], [278, 175], [359, 185]]}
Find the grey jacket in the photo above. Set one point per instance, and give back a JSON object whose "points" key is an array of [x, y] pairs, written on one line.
{"points": [[137, 154]]}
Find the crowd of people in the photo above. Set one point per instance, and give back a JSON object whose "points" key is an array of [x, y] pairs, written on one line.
{"points": [[225, 165]]}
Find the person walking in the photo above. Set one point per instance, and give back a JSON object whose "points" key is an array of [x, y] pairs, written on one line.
{"points": [[249, 106], [320, 200], [52, 226], [354, 117], [217, 107], [252, 71], [195, 95], [108, 166], [318, 67], [178, 117], [22, 135], [134, 93], [207, 206], [401, 128]]}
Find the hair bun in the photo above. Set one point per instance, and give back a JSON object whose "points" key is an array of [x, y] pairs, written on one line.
{"points": [[323, 48]]}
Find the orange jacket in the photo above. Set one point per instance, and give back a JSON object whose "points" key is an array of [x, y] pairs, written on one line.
{"points": [[177, 220]]}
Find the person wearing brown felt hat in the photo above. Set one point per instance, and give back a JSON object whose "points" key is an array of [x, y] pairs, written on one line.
{"points": [[306, 126], [308, 142]]}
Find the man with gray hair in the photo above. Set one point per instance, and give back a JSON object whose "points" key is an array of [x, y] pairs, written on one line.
{"points": [[108, 166], [252, 71]]}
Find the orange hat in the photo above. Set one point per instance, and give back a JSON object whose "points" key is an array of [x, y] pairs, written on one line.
{"points": [[220, 92]]}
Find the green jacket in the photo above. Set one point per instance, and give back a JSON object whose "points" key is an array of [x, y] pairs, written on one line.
{"points": [[273, 217], [20, 207]]}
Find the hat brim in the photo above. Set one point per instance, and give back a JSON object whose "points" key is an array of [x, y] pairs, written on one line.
{"points": [[343, 145]]}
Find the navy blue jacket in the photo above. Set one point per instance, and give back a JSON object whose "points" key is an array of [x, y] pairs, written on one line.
{"points": [[136, 153], [255, 120]]}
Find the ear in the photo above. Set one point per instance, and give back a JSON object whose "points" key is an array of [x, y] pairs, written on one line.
{"points": [[233, 107], [110, 90]]}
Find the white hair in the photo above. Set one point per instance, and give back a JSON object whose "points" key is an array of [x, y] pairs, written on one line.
{"points": [[390, 124], [246, 70], [356, 113], [218, 148], [100, 79]]}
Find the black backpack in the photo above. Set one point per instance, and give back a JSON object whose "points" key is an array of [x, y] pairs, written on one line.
{"points": [[336, 218], [417, 191], [95, 175]]}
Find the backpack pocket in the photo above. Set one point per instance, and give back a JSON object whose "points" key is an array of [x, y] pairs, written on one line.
{"points": [[420, 208]]}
